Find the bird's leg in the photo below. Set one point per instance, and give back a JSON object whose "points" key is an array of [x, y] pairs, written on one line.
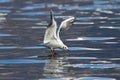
{"points": [[53, 52]]}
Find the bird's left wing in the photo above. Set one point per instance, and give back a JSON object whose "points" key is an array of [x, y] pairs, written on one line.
{"points": [[51, 29]]}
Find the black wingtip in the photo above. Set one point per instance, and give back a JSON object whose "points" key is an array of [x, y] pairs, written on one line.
{"points": [[51, 18], [51, 14]]}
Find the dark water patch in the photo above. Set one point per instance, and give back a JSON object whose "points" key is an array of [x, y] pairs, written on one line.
{"points": [[8, 78]]}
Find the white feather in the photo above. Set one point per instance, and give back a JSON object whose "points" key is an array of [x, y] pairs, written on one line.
{"points": [[51, 37]]}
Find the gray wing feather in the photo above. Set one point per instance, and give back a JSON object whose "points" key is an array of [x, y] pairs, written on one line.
{"points": [[51, 29], [65, 25]]}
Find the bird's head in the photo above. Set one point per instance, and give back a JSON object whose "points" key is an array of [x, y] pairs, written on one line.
{"points": [[64, 47]]}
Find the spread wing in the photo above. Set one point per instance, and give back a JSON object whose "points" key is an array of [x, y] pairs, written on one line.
{"points": [[51, 29], [65, 25]]}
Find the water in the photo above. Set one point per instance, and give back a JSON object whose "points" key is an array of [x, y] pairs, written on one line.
{"points": [[94, 40]]}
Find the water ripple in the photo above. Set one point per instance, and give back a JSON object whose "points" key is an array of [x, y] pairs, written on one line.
{"points": [[96, 78], [21, 61], [4, 1], [42, 47], [76, 58], [99, 66], [80, 48], [109, 27], [5, 35], [31, 13], [8, 47], [94, 66], [81, 78], [91, 38], [36, 6]]}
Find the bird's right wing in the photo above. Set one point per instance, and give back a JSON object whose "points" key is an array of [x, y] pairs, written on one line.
{"points": [[51, 29], [65, 25]]}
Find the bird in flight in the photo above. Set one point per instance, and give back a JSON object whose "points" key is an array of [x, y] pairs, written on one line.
{"points": [[52, 38]]}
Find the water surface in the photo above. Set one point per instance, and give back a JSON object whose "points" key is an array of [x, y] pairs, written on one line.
{"points": [[93, 40]]}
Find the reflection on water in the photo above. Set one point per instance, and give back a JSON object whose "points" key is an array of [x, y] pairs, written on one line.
{"points": [[94, 40], [58, 69], [54, 68]]}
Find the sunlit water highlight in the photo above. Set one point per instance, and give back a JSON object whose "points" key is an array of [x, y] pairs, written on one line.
{"points": [[83, 78], [91, 38]]}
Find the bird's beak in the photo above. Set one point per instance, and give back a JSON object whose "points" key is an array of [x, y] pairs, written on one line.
{"points": [[68, 50]]}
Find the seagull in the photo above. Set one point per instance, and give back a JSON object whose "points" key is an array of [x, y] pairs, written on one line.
{"points": [[52, 38]]}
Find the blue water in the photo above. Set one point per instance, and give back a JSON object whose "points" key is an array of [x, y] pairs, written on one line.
{"points": [[93, 40], [21, 61]]}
